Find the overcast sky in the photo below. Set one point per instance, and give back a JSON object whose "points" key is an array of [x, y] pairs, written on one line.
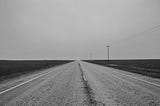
{"points": [[71, 29]]}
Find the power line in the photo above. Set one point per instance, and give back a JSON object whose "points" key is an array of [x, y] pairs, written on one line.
{"points": [[152, 29], [149, 30]]}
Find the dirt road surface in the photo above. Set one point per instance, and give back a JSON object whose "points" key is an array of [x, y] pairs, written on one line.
{"points": [[83, 84]]}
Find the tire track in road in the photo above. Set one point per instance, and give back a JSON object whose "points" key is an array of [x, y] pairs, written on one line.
{"points": [[88, 91]]}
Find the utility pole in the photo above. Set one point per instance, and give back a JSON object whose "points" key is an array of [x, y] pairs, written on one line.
{"points": [[90, 56], [108, 52]]}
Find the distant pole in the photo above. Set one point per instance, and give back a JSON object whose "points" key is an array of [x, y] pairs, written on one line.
{"points": [[90, 56], [108, 52]]}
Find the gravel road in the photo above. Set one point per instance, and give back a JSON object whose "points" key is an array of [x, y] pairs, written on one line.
{"points": [[83, 84]]}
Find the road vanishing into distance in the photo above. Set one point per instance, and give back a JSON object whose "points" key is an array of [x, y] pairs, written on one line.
{"points": [[83, 84]]}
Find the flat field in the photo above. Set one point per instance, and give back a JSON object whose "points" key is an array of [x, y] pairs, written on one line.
{"points": [[148, 67], [10, 69]]}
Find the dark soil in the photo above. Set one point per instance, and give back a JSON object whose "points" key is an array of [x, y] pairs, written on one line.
{"points": [[148, 67]]}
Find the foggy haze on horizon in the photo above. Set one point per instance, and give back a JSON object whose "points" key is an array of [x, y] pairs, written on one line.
{"points": [[72, 29]]}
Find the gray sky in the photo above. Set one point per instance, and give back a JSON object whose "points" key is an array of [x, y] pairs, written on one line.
{"points": [[62, 29]]}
